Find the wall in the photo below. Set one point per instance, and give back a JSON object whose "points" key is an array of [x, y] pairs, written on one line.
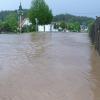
{"points": [[95, 34]]}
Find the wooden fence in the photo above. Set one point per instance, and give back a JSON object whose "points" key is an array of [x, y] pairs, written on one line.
{"points": [[95, 34]]}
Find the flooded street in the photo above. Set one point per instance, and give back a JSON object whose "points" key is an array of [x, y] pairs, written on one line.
{"points": [[48, 66]]}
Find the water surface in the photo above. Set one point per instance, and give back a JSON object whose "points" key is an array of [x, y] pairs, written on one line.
{"points": [[48, 66]]}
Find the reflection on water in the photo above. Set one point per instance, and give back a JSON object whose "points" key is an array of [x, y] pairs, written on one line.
{"points": [[95, 74], [48, 66]]}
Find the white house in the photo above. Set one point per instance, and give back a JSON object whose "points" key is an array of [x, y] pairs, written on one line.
{"points": [[26, 22], [48, 28]]}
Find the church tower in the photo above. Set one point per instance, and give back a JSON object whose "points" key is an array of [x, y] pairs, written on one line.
{"points": [[20, 14]]}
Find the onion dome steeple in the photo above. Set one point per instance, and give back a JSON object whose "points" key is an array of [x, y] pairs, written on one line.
{"points": [[20, 10], [20, 7]]}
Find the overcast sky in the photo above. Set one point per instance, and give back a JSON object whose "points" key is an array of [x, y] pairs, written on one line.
{"points": [[76, 7]]}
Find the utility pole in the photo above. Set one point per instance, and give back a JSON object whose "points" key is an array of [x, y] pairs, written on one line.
{"points": [[20, 13], [36, 21]]}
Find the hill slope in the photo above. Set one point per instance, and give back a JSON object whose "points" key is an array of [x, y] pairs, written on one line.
{"points": [[58, 18], [71, 18]]}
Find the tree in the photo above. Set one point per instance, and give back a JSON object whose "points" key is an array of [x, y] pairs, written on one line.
{"points": [[41, 11], [75, 27], [68, 18], [11, 21], [1, 25], [63, 25]]}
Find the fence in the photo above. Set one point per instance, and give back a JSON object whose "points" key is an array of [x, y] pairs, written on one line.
{"points": [[95, 34]]}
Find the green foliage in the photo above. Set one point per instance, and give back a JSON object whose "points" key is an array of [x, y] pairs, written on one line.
{"points": [[63, 25], [73, 22], [75, 27], [90, 26], [1, 25], [41, 11], [68, 18], [4, 14], [27, 28], [11, 21]]}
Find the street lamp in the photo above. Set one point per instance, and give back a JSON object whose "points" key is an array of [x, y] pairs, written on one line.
{"points": [[20, 13]]}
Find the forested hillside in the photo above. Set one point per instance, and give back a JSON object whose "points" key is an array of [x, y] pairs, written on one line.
{"points": [[58, 18], [9, 20], [4, 14], [71, 19]]}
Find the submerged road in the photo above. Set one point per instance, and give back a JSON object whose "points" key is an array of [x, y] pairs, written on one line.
{"points": [[48, 66]]}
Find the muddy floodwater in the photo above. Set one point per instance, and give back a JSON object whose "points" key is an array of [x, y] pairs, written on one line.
{"points": [[48, 66]]}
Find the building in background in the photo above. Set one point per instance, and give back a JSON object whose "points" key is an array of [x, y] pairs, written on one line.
{"points": [[20, 14], [26, 22], [48, 28], [84, 28]]}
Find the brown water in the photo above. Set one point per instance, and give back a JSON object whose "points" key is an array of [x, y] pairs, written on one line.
{"points": [[48, 66]]}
